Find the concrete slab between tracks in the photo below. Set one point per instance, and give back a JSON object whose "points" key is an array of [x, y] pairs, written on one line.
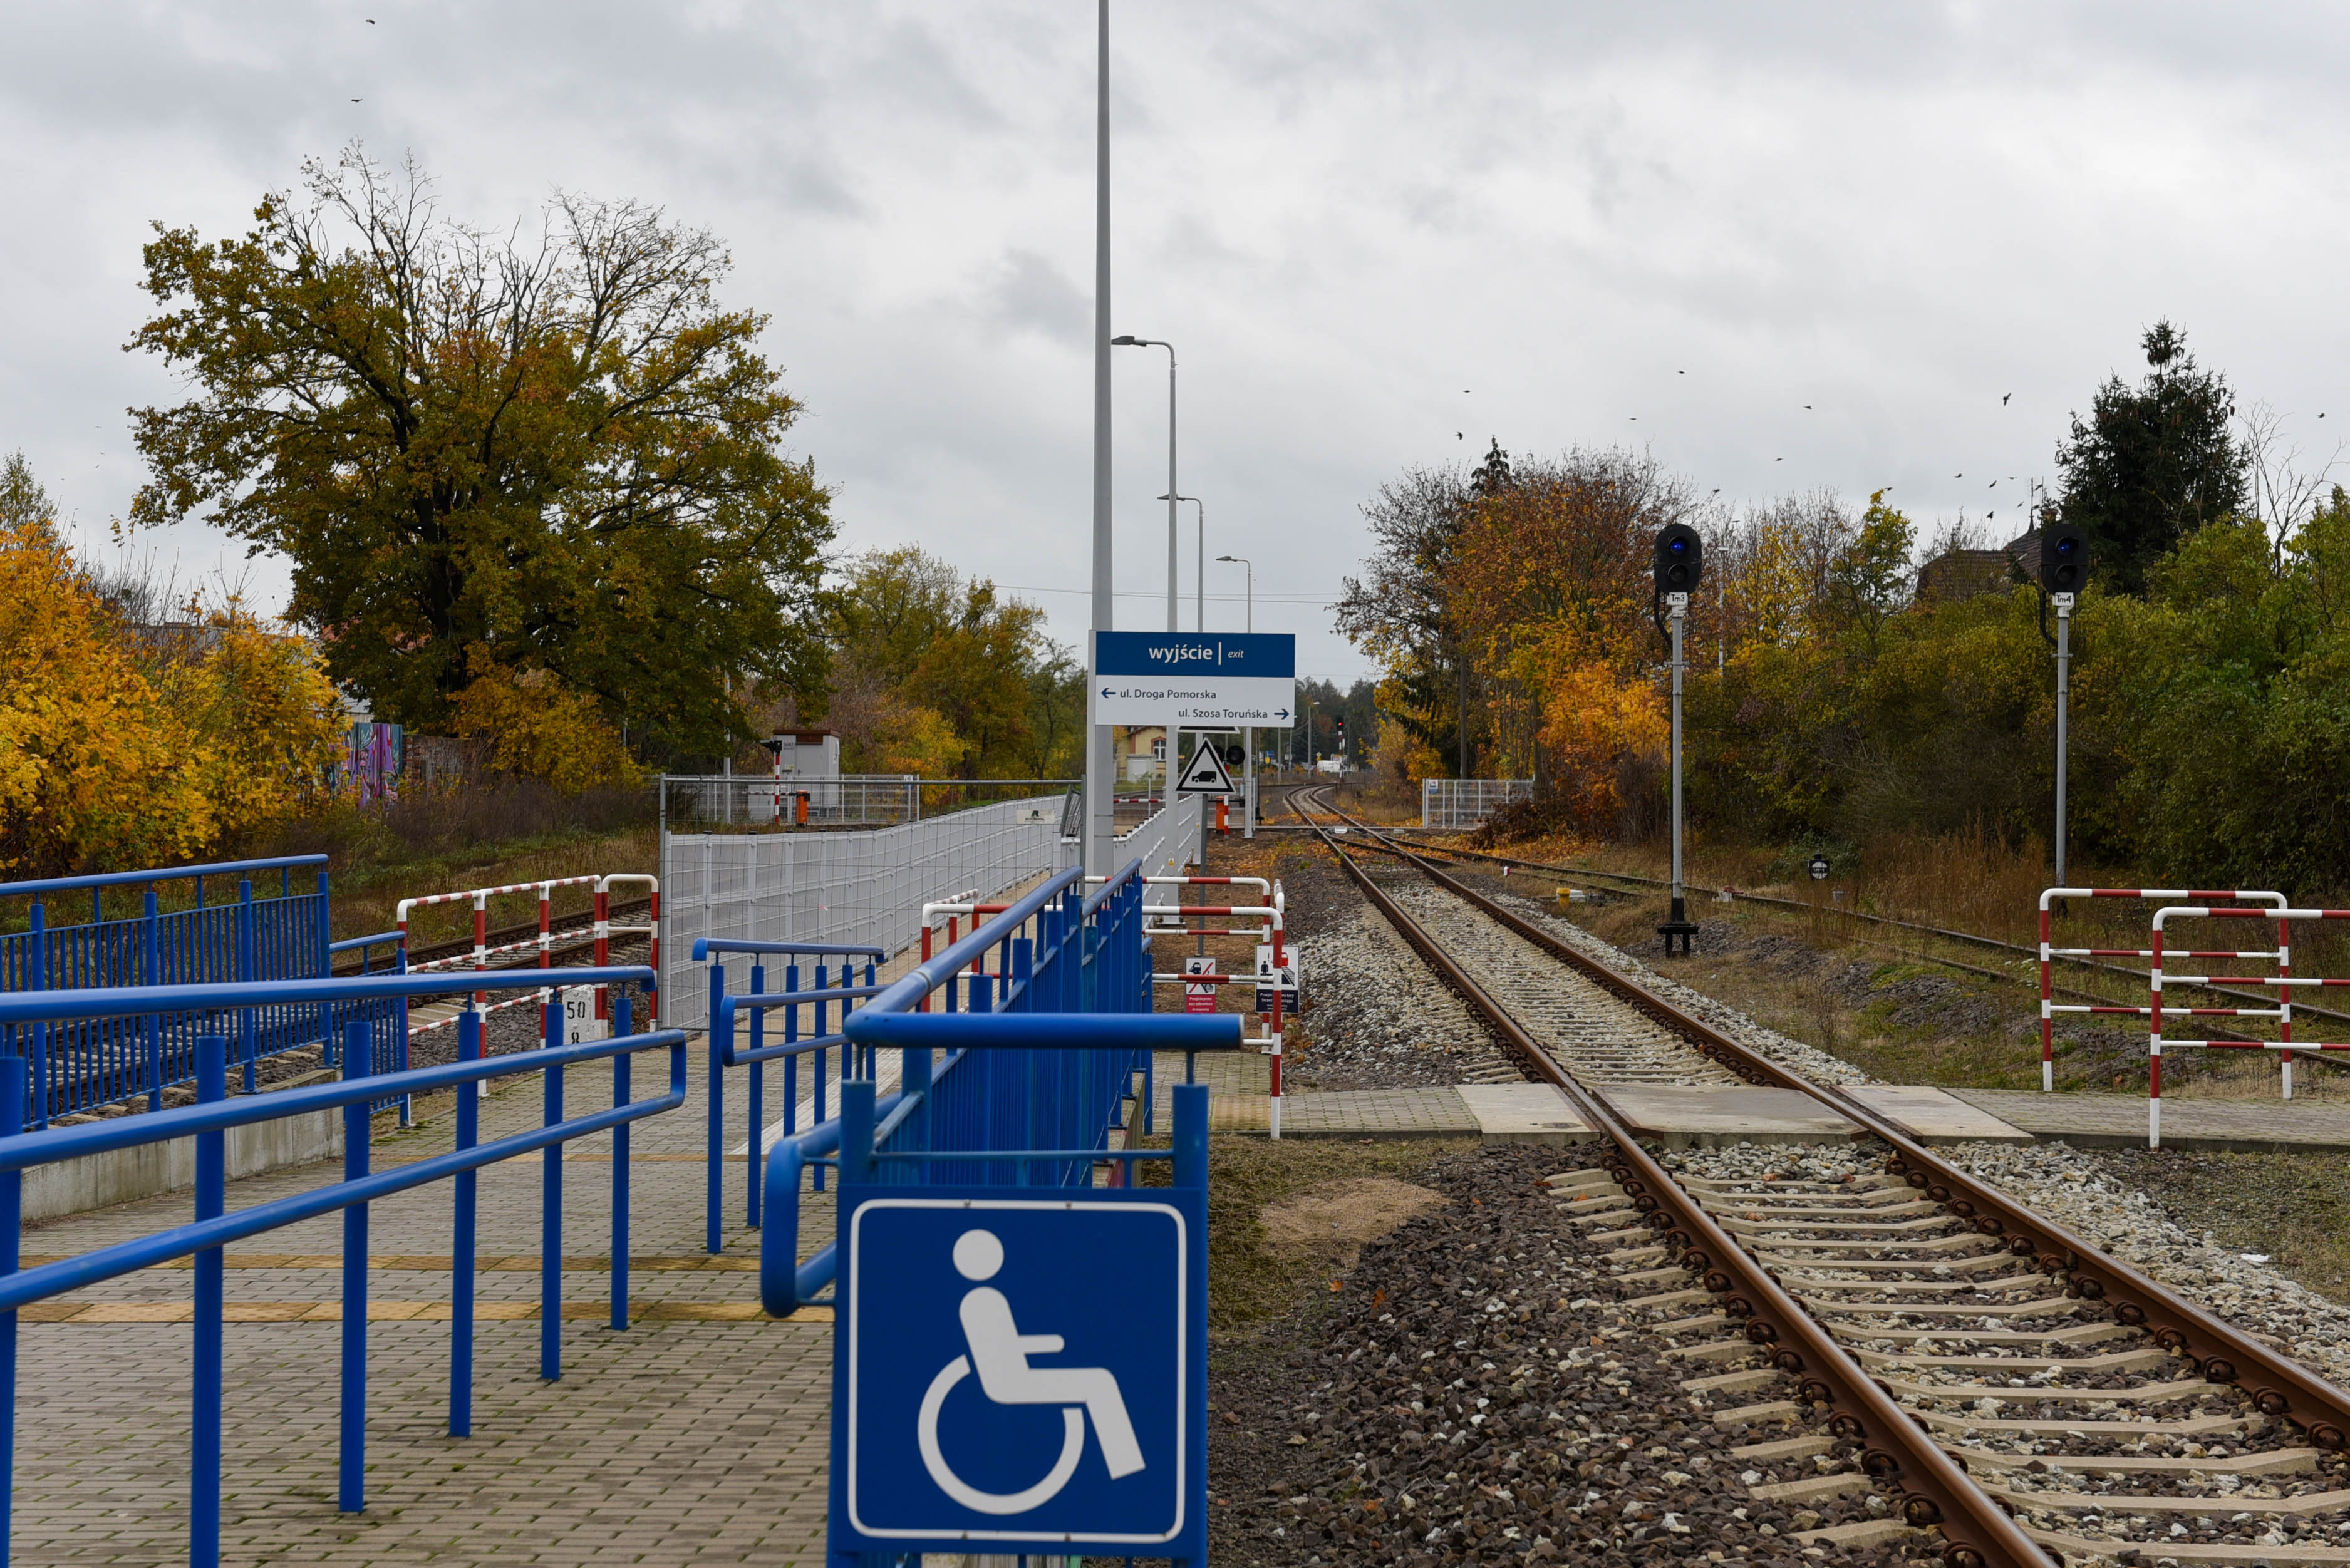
{"points": [[1494, 1113], [1936, 1116], [2118, 1121], [1718, 1116]]}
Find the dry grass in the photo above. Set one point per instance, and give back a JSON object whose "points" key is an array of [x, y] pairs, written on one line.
{"points": [[1260, 1264], [1860, 1002], [368, 901]]}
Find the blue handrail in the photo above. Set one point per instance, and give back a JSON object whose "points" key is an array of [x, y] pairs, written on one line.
{"points": [[208, 1122], [1076, 993], [156, 874], [902, 994], [53, 1006], [704, 946], [372, 940]]}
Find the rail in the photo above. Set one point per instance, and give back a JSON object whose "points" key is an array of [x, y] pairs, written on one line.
{"points": [[1970, 939], [1978, 1533], [208, 1122]]}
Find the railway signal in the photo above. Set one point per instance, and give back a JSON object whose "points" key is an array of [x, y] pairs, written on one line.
{"points": [[1680, 558], [2064, 572], [2063, 560], [1679, 563]]}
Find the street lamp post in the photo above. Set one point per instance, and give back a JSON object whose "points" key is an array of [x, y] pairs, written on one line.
{"points": [[1200, 565], [1101, 807], [1127, 341], [1248, 732], [1244, 561]]}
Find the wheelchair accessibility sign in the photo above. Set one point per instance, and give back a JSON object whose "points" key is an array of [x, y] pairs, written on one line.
{"points": [[1022, 1372]]}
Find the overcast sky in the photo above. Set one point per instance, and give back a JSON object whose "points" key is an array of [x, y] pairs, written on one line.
{"points": [[1377, 233]]}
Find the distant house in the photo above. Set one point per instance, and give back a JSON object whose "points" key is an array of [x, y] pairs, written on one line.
{"points": [[1957, 575], [1143, 754]]}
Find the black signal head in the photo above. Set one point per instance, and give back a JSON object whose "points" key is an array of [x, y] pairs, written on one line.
{"points": [[1680, 558], [2064, 559]]}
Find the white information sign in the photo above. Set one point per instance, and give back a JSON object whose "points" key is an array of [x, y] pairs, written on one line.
{"points": [[1193, 680]]}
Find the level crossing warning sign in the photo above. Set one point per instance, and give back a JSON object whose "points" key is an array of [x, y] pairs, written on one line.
{"points": [[1022, 1372], [1205, 773]]}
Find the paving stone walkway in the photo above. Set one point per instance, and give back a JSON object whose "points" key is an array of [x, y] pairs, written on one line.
{"points": [[2189, 1122], [696, 1436]]}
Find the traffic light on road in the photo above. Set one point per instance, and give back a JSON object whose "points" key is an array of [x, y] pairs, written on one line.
{"points": [[2064, 559], [1680, 558]]}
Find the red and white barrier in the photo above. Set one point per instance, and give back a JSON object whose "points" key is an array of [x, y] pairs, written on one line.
{"points": [[1274, 911], [2283, 979], [2050, 1006], [606, 931], [542, 940]]}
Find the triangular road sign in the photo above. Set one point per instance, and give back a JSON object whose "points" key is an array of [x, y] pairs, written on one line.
{"points": [[1205, 773]]}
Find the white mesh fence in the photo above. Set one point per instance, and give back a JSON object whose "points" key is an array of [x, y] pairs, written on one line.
{"points": [[1465, 803], [842, 886], [1165, 844], [869, 887]]}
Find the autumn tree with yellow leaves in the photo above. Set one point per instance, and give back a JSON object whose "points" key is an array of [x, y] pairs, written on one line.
{"points": [[123, 744]]}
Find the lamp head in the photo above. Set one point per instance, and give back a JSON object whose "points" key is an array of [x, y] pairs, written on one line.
{"points": [[1126, 340]]}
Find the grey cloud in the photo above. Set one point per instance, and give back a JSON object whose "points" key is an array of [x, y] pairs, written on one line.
{"points": [[1029, 293], [1342, 210]]}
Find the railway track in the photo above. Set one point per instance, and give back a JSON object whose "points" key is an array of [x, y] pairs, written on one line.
{"points": [[570, 931], [1983, 1373]]}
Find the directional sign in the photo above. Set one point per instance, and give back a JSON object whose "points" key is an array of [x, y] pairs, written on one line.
{"points": [[1205, 773], [1019, 1375], [1195, 681]]}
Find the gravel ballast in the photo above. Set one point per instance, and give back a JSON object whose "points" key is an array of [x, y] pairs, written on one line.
{"points": [[1375, 1015], [1475, 1392]]}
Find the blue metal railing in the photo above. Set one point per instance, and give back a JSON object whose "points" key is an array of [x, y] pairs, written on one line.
{"points": [[724, 1054], [75, 1066], [1019, 1073], [209, 1120]]}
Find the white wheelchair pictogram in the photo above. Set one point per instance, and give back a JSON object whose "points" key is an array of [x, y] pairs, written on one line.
{"points": [[1000, 1353]]}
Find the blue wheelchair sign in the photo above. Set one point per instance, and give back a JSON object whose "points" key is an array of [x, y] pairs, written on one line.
{"points": [[1020, 1373]]}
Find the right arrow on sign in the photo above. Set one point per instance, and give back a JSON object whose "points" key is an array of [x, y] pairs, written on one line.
{"points": [[1205, 773]]}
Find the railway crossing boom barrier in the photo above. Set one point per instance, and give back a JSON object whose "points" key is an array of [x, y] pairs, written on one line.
{"points": [[2050, 1007], [214, 1227], [2284, 981], [542, 942]]}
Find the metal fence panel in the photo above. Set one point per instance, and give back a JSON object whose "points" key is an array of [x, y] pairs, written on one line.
{"points": [[869, 887], [1165, 843], [266, 936], [761, 803], [1465, 803], [866, 886]]}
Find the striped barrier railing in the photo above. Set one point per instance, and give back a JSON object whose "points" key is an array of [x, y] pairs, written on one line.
{"points": [[2050, 1007], [2284, 980]]}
